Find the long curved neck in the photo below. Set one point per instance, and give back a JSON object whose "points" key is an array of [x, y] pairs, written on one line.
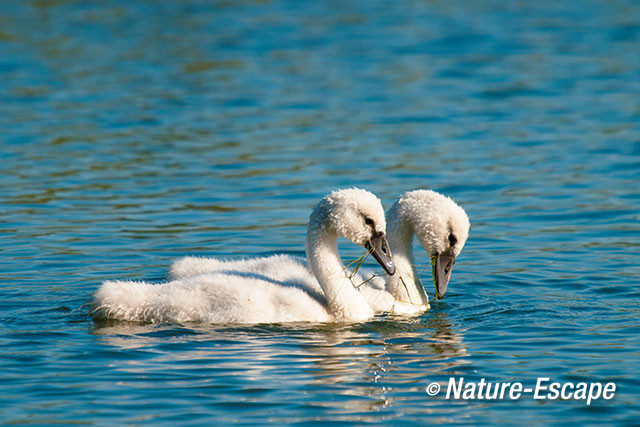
{"points": [[405, 285], [343, 299]]}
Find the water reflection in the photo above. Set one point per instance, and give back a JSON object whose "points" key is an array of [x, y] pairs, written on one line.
{"points": [[364, 366], [428, 335]]}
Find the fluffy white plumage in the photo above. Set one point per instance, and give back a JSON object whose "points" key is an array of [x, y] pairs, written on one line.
{"points": [[275, 289], [432, 218], [427, 214]]}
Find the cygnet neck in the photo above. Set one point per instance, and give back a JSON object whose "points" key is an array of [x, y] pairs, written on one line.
{"points": [[405, 285], [343, 299]]}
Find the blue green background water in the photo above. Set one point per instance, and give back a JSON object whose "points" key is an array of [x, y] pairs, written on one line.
{"points": [[134, 133]]}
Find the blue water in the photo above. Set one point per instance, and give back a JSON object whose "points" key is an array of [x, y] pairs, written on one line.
{"points": [[134, 133]]}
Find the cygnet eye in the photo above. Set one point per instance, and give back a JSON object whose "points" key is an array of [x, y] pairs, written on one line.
{"points": [[452, 239], [368, 220]]}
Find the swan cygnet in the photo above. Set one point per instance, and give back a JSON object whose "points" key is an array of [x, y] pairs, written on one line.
{"points": [[274, 289], [442, 228]]}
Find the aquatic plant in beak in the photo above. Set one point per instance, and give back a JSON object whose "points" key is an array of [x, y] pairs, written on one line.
{"points": [[379, 248], [358, 262]]}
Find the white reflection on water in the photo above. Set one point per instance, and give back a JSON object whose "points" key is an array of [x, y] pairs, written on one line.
{"points": [[369, 366]]}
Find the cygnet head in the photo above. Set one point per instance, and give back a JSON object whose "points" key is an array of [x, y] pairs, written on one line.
{"points": [[356, 215], [441, 226]]}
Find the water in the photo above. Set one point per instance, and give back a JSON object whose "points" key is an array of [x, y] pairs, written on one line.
{"points": [[134, 133]]}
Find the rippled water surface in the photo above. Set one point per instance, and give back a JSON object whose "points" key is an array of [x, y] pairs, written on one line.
{"points": [[134, 133]]}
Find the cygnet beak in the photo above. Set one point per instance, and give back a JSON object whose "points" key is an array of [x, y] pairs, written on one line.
{"points": [[442, 266], [379, 248]]}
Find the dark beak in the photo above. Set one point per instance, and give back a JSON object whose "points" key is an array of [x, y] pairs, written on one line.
{"points": [[442, 266], [379, 248]]}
